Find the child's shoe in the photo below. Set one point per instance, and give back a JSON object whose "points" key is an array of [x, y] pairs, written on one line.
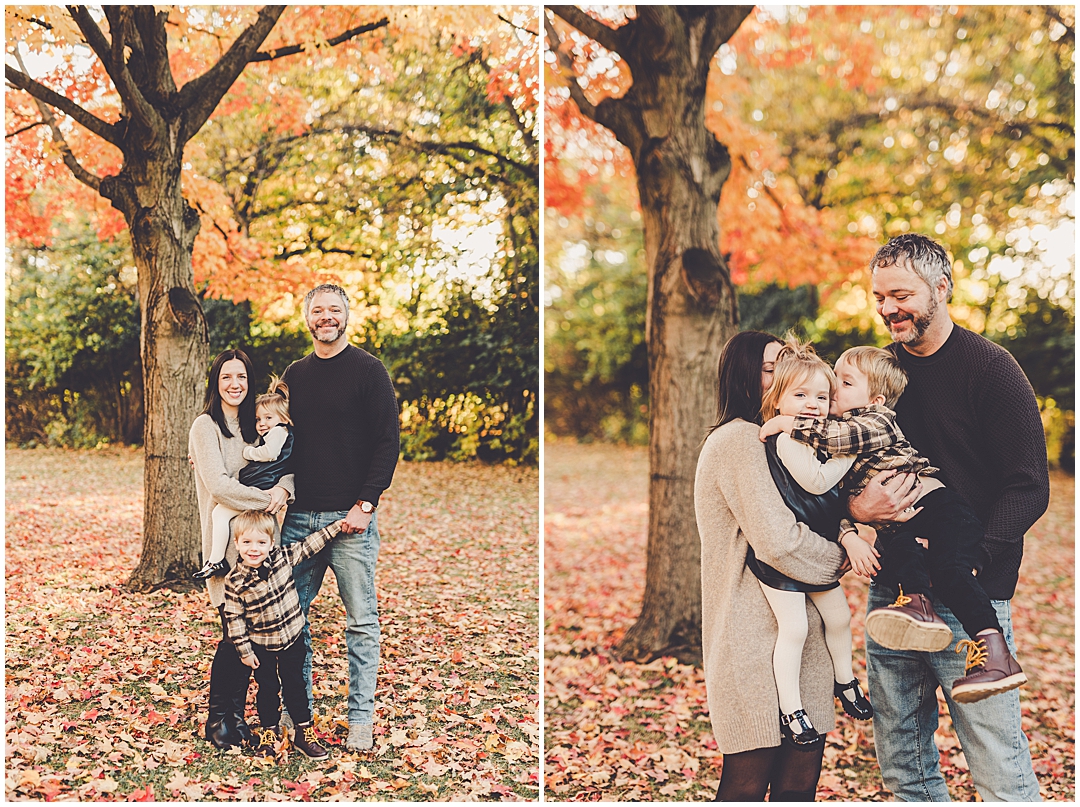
{"points": [[990, 669], [853, 700], [212, 568], [268, 739], [910, 623], [808, 738], [307, 741]]}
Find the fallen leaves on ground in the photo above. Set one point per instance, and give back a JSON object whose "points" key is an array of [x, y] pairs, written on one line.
{"points": [[640, 732], [106, 690]]}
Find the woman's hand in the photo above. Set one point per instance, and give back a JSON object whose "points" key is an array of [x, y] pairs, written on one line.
{"points": [[278, 497], [890, 496], [863, 557]]}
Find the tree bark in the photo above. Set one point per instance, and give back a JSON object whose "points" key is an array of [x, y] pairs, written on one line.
{"points": [[174, 348], [692, 312]]}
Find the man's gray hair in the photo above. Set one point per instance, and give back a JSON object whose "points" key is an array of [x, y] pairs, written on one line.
{"points": [[340, 292], [927, 257]]}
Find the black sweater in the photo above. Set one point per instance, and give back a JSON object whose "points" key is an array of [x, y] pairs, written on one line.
{"points": [[345, 419], [971, 411]]}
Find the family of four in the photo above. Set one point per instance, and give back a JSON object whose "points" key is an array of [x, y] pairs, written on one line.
{"points": [[936, 442], [325, 440]]}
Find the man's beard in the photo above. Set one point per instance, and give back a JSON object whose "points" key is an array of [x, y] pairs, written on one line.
{"points": [[919, 324], [337, 334]]}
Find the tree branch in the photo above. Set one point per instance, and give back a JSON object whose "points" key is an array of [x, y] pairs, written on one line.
{"points": [[104, 130], [86, 177], [291, 50], [518, 27], [130, 94], [611, 38], [530, 141], [200, 96], [26, 128], [566, 68], [151, 26]]}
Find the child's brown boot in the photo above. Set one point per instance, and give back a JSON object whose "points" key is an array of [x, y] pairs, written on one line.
{"points": [[990, 669], [910, 623], [268, 738], [307, 741]]}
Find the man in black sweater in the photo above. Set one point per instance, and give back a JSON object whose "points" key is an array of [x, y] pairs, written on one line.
{"points": [[345, 426], [971, 411]]}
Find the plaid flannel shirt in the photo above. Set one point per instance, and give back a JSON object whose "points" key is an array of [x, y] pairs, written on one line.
{"points": [[873, 436], [267, 612]]}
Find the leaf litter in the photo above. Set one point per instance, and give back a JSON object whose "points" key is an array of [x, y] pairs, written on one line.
{"points": [[624, 731], [106, 690]]}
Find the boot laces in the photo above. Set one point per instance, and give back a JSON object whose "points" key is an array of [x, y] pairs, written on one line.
{"points": [[310, 735], [268, 738], [901, 599], [976, 653]]}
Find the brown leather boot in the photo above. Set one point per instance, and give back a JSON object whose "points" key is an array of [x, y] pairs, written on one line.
{"points": [[267, 740], [908, 624], [306, 741], [990, 669]]}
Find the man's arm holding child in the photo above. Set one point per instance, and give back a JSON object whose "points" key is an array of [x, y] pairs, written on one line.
{"points": [[312, 544], [273, 440]]}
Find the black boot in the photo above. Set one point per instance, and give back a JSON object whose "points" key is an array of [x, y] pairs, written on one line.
{"points": [[225, 726]]}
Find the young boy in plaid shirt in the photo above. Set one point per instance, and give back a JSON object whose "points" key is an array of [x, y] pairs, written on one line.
{"points": [[265, 623], [863, 426]]}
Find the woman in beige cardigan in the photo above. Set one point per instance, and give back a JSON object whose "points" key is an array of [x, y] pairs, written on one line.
{"points": [[738, 506], [216, 444]]}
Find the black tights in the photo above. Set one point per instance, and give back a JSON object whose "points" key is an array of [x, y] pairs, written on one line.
{"points": [[786, 772]]}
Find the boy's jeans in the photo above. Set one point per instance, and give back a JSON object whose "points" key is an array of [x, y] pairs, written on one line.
{"points": [[352, 557], [903, 688]]}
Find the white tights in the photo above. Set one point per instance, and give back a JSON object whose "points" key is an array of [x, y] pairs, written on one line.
{"points": [[789, 608], [221, 517]]}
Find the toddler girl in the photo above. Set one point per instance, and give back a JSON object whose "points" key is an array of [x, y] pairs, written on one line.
{"points": [[269, 460], [803, 385]]}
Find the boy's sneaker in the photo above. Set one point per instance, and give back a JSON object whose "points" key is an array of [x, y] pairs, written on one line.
{"points": [[910, 623], [360, 738], [267, 739], [306, 741], [990, 669]]}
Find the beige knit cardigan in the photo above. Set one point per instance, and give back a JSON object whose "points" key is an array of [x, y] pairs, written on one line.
{"points": [[737, 505], [218, 459]]}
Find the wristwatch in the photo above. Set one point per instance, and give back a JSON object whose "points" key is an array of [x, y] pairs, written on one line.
{"points": [[366, 507]]}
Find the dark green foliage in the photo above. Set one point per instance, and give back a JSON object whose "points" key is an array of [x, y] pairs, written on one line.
{"points": [[72, 346]]}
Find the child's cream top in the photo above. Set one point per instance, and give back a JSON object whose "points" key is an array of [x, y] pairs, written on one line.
{"points": [[273, 440]]}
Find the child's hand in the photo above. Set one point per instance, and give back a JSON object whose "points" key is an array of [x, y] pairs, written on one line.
{"points": [[775, 425], [251, 661], [863, 557]]}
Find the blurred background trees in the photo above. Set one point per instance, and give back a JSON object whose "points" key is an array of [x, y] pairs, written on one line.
{"points": [[846, 125]]}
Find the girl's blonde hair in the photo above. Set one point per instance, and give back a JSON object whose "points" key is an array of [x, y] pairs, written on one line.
{"points": [[796, 362], [276, 400]]}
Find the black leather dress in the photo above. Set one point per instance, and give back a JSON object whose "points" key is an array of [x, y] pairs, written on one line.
{"points": [[821, 513]]}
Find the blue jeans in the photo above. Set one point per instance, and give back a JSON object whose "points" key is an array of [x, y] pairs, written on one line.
{"points": [[903, 689], [352, 557]]}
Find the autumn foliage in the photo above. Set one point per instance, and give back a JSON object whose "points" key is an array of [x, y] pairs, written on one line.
{"points": [[106, 690], [640, 732]]}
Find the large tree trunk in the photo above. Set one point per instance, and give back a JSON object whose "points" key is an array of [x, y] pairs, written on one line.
{"points": [[691, 314], [174, 349], [681, 169]]}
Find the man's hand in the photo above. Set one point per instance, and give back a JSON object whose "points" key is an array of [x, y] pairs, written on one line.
{"points": [[251, 661], [356, 521], [278, 497], [887, 498], [863, 557], [780, 423]]}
